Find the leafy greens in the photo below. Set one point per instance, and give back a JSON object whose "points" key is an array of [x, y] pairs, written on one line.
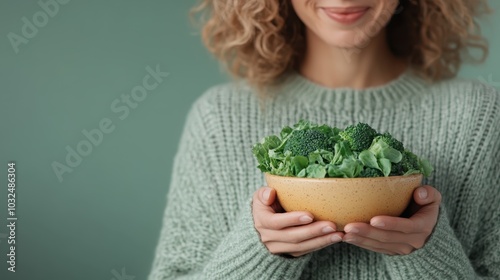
{"points": [[320, 151]]}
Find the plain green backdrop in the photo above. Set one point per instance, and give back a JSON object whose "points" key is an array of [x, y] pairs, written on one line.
{"points": [[102, 221]]}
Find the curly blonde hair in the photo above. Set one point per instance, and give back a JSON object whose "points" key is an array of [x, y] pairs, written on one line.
{"points": [[260, 40]]}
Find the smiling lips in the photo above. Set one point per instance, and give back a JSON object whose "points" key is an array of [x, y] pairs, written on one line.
{"points": [[345, 15]]}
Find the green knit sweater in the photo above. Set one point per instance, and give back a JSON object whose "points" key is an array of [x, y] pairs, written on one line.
{"points": [[208, 230]]}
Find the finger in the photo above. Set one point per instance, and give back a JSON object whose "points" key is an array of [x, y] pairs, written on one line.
{"points": [[298, 249], [265, 216], [414, 224], [263, 199], [278, 221], [422, 222], [298, 234], [377, 246], [316, 249], [426, 195], [422, 196], [266, 195], [429, 211], [416, 240], [379, 250]]}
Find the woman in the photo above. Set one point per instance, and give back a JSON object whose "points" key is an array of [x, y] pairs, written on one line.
{"points": [[386, 63]]}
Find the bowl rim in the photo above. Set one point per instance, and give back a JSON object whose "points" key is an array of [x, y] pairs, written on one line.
{"points": [[342, 179]]}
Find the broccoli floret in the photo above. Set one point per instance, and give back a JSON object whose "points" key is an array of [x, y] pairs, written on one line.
{"points": [[304, 142], [359, 136], [409, 162], [371, 172], [393, 142], [397, 169]]}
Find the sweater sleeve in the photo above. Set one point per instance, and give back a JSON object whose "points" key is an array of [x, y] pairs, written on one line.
{"points": [[443, 256], [197, 241]]}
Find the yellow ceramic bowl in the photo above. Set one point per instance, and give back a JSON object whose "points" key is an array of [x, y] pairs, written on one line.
{"points": [[345, 200]]}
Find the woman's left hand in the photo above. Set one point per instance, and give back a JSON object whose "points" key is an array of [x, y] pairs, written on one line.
{"points": [[396, 235]]}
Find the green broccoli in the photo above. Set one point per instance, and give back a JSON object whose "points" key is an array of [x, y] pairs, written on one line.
{"points": [[409, 164], [359, 136], [304, 142], [393, 142], [371, 172], [319, 151]]}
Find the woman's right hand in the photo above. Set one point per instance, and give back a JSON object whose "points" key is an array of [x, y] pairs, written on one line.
{"points": [[292, 233]]}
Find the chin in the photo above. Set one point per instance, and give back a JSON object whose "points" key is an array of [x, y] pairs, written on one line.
{"points": [[344, 39]]}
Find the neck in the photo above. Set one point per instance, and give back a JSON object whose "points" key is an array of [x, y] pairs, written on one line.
{"points": [[362, 67]]}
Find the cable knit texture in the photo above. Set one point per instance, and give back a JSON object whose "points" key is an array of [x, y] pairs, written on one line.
{"points": [[208, 230]]}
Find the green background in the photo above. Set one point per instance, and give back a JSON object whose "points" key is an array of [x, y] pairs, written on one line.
{"points": [[106, 214]]}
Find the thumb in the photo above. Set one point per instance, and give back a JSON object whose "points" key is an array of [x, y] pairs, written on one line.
{"points": [[427, 195], [267, 196]]}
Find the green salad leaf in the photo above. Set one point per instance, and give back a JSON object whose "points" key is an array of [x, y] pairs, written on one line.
{"points": [[318, 151]]}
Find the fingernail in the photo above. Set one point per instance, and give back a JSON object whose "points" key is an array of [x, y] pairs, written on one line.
{"points": [[378, 224], [351, 230], [266, 194], [328, 229], [422, 193], [306, 219], [336, 238]]}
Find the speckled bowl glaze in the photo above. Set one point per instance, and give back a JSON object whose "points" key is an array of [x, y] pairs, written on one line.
{"points": [[345, 200]]}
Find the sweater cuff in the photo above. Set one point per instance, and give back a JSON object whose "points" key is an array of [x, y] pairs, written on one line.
{"points": [[441, 257], [242, 255]]}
